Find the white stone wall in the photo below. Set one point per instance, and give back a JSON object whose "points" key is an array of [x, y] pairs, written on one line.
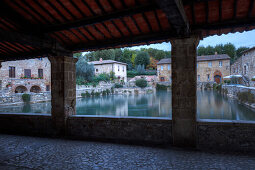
{"points": [[120, 70]]}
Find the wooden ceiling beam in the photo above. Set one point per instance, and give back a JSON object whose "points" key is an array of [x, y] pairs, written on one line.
{"points": [[106, 17], [124, 41], [233, 23], [176, 15]]}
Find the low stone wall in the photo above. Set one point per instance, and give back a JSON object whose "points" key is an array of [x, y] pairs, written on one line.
{"points": [[211, 134], [135, 90], [204, 85], [226, 135], [131, 130], [16, 98], [232, 90], [27, 124]]}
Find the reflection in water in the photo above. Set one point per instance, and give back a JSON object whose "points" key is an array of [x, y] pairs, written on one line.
{"points": [[210, 105]]}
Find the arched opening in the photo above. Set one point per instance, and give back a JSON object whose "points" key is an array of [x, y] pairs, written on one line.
{"points": [[20, 89], [35, 89], [217, 76]]}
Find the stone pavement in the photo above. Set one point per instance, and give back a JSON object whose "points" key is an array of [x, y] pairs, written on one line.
{"points": [[22, 152]]}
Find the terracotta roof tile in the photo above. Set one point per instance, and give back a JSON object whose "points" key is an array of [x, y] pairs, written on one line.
{"points": [[199, 58]]}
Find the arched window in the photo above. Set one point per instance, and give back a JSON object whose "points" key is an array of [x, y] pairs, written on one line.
{"points": [[20, 89], [35, 89]]}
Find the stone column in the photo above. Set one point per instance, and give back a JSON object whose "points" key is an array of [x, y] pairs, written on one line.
{"points": [[63, 90], [184, 87]]}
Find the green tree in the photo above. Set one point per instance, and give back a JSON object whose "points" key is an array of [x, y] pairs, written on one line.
{"points": [[84, 71], [141, 83], [160, 54], [240, 50], [142, 58], [230, 49], [118, 54]]}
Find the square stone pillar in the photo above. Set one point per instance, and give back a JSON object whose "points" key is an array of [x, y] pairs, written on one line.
{"points": [[184, 87], [63, 90]]}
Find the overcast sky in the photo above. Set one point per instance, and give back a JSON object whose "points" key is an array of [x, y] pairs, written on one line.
{"points": [[238, 39]]}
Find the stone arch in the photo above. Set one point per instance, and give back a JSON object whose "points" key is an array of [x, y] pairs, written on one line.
{"points": [[35, 89], [217, 76], [20, 89]]}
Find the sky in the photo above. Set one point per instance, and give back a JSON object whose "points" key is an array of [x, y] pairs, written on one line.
{"points": [[246, 38]]}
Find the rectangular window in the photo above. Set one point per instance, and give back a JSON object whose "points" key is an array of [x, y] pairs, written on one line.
{"points": [[118, 68], [208, 77], [27, 73], [123, 68], [198, 77], [0, 84], [12, 72], [96, 70], [169, 67], [40, 73], [162, 67], [220, 63], [209, 64], [47, 87]]}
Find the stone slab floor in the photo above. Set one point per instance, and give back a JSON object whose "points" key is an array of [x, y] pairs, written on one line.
{"points": [[22, 152]]}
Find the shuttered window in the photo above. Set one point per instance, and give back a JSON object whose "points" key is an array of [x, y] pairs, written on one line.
{"points": [[40, 73], [27, 73], [12, 72]]}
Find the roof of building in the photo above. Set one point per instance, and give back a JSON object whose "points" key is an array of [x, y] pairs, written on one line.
{"points": [[250, 49], [40, 28], [106, 62], [199, 58]]}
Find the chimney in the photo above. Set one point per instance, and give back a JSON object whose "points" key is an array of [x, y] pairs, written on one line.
{"points": [[101, 60], [216, 53]]}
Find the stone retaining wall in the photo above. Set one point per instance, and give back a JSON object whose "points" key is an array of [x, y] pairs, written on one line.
{"points": [[232, 90], [16, 98]]}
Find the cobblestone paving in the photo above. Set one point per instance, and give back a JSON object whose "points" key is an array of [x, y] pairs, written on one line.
{"points": [[21, 152]]}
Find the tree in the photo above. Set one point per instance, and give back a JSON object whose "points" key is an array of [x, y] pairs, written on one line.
{"points": [[160, 54], [84, 71], [140, 69], [240, 50], [142, 58], [153, 63], [230, 49], [118, 54], [141, 83]]}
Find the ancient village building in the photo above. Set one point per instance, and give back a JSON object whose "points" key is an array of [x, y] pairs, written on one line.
{"points": [[210, 68], [31, 75], [108, 66], [245, 66]]}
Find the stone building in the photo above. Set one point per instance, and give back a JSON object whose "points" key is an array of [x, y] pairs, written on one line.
{"points": [[21, 76], [245, 66], [210, 68], [108, 66]]}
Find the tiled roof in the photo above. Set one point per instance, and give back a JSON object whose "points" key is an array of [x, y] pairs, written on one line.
{"points": [[253, 48], [106, 62], [200, 58], [213, 57], [165, 61]]}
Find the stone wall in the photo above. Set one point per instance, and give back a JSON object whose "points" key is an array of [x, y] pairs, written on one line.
{"points": [[211, 134], [121, 129], [245, 66], [226, 135], [203, 70], [16, 98], [232, 90], [20, 66]]}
